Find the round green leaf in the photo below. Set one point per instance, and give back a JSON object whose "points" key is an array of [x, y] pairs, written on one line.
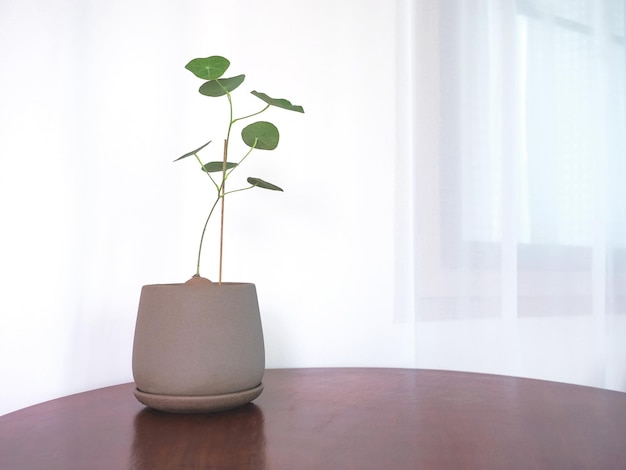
{"points": [[259, 183], [221, 86], [208, 68], [278, 102], [213, 167], [261, 135]]}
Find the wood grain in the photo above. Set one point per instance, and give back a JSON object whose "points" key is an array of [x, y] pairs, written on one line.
{"points": [[334, 419]]}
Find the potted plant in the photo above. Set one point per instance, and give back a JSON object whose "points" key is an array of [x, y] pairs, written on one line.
{"points": [[198, 345]]}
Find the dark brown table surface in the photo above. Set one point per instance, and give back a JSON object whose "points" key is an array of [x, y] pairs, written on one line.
{"points": [[333, 419]]}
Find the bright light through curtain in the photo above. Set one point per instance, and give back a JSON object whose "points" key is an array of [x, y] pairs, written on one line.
{"points": [[520, 200]]}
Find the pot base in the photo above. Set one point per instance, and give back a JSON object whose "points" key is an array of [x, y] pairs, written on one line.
{"points": [[197, 404]]}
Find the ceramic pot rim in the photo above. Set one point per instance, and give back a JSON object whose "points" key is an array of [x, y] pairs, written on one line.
{"points": [[212, 284]]}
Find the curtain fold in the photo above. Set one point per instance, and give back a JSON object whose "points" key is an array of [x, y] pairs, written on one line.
{"points": [[520, 230]]}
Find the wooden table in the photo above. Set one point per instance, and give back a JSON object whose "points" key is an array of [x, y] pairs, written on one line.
{"points": [[333, 419]]}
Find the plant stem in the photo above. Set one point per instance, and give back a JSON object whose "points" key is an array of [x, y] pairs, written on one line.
{"points": [[238, 190], [221, 189], [222, 194], [202, 236], [208, 174], [250, 115]]}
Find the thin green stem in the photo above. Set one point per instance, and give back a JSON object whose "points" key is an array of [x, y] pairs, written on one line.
{"points": [[242, 159], [238, 190], [203, 232], [223, 185], [221, 188], [250, 115], [208, 174]]}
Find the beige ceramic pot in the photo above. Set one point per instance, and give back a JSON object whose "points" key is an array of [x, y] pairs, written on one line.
{"points": [[198, 346]]}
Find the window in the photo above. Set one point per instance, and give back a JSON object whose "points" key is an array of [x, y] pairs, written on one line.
{"points": [[536, 138]]}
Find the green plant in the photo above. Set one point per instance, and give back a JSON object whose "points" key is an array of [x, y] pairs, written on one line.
{"points": [[259, 135]]}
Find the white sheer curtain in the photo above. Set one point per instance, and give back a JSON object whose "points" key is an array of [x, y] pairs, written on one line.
{"points": [[519, 167]]}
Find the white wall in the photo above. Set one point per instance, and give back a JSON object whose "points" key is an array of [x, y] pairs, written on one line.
{"points": [[95, 105]]}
